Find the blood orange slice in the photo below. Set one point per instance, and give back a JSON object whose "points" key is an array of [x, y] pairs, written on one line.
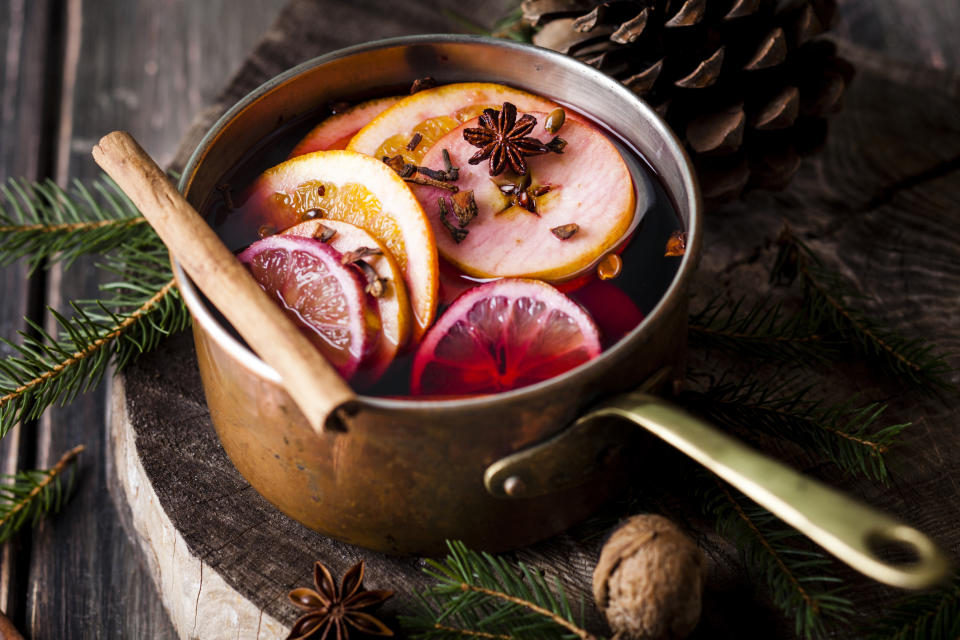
{"points": [[588, 188], [392, 302], [434, 112], [503, 335], [324, 298], [337, 130]]}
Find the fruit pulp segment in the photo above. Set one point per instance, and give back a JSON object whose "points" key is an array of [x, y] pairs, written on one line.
{"points": [[504, 344], [352, 203], [392, 304], [430, 131], [314, 296]]}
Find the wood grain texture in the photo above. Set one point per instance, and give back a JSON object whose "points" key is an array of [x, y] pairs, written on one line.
{"points": [[25, 93], [147, 67], [921, 33], [876, 202]]}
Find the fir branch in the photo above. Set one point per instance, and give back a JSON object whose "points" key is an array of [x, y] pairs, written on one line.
{"points": [[43, 223], [846, 434], [142, 307], [27, 496], [512, 26], [825, 294], [482, 596], [465, 23], [924, 616], [797, 579], [760, 330], [509, 27]]}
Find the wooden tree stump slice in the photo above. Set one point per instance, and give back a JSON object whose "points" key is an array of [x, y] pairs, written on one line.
{"points": [[880, 203]]}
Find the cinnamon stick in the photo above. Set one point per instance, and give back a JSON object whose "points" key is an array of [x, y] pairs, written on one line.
{"points": [[312, 382], [7, 630]]}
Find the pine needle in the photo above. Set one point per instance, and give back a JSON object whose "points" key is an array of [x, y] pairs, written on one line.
{"points": [[28, 496], [43, 223], [847, 434], [925, 616], [825, 294], [482, 596], [139, 309], [798, 579], [760, 330]]}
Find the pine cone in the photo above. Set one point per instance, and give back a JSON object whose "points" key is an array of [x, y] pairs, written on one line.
{"points": [[746, 84]]}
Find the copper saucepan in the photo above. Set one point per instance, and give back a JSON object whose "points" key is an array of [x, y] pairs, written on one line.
{"points": [[505, 470]]}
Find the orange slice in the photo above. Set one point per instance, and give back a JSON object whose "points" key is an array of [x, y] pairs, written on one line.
{"points": [[433, 113], [353, 188], [393, 305], [588, 185], [337, 130]]}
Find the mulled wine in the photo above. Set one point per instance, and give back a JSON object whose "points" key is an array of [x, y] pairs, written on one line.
{"points": [[466, 239]]}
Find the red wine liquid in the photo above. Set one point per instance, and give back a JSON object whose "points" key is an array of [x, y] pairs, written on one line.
{"points": [[617, 305]]}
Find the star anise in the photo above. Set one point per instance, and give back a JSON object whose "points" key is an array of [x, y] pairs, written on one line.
{"points": [[332, 608], [503, 139]]}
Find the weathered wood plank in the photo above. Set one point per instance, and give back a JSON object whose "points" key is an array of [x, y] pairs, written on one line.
{"points": [[923, 33], [146, 67], [24, 95]]}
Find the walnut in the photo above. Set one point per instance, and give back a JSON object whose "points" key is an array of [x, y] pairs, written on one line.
{"points": [[649, 580]]}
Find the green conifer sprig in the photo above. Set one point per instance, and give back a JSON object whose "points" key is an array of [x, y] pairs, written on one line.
{"points": [[144, 286], [138, 309], [759, 330], [847, 434], [925, 616], [482, 596], [797, 576], [43, 223], [825, 295], [27, 496]]}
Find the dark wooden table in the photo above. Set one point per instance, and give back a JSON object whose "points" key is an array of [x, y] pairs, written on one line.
{"points": [[75, 69]]}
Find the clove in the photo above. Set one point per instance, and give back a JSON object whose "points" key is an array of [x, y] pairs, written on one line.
{"points": [[376, 286], [324, 234], [457, 234], [419, 178], [227, 193], [464, 207], [403, 168], [421, 84]]}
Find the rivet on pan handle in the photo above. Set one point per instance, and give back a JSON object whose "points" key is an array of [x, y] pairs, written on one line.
{"points": [[846, 528], [568, 459]]}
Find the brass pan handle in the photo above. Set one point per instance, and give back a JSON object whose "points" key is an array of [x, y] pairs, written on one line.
{"points": [[843, 526]]}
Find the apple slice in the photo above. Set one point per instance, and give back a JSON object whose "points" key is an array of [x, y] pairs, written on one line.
{"points": [[580, 204], [337, 130]]}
